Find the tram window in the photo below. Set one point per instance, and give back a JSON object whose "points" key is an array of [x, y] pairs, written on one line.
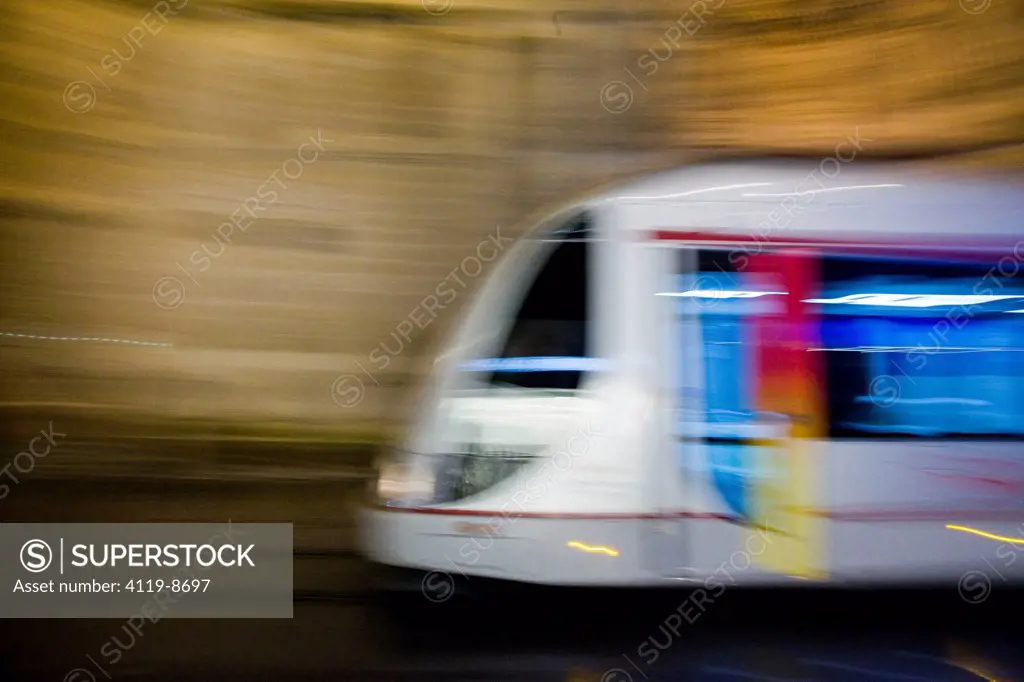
{"points": [[725, 325], [550, 333], [912, 349], [922, 350]]}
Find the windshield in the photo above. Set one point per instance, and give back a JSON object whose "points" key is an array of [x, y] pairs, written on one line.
{"points": [[547, 346], [523, 383]]}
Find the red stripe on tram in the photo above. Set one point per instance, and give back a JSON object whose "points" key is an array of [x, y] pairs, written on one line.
{"points": [[851, 516], [963, 249]]}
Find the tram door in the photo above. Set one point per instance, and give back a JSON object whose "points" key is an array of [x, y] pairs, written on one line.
{"points": [[747, 408]]}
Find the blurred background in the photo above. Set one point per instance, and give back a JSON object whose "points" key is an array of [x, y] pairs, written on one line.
{"points": [[214, 211], [132, 130]]}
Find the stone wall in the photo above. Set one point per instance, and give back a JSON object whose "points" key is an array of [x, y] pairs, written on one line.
{"points": [[922, 77], [131, 134]]}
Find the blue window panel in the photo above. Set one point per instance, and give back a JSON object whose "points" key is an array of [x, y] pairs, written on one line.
{"points": [[958, 370], [726, 362]]}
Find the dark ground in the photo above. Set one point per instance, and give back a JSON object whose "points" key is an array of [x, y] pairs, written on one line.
{"points": [[340, 631]]}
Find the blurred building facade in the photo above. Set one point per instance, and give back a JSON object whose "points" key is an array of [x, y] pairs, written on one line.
{"points": [[395, 137]]}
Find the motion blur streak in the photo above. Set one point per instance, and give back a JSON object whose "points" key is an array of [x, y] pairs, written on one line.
{"points": [[990, 536], [84, 338], [592, 550]]}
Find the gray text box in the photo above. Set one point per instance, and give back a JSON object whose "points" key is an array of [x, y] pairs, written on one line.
{"points": [[146, 570]]}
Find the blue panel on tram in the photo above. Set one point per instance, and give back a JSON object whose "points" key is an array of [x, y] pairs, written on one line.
{"points": [[948, 351]]}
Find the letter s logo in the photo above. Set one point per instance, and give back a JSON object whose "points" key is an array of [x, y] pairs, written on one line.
{"points": [[36, 556]]}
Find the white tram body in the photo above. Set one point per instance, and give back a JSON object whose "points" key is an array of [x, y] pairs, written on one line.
{"points": [[732, 373]]}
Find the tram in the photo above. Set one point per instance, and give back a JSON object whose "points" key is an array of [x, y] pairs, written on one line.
{"points": [[752, 373]]}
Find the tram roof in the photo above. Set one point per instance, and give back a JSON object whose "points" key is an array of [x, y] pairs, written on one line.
{"points": [[833, 181], [854, 195]]}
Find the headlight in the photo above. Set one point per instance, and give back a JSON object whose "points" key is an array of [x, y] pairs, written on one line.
{"points": [[401, 482]]}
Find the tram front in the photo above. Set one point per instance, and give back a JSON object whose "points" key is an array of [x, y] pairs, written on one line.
{"points": [[512, 402]]}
